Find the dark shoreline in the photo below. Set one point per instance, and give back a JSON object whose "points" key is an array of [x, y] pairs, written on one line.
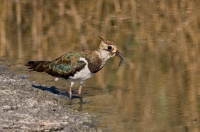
{"points": [[26, 108]]}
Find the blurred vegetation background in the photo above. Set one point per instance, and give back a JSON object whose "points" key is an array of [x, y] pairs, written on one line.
{"points": [[165, 30], [160, 39]]}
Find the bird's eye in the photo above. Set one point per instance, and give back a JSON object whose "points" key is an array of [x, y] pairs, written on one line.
{"points": [[109, 47]]}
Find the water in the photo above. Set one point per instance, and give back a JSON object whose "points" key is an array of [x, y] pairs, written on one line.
{"points": [[153, 102], [157, 86]]}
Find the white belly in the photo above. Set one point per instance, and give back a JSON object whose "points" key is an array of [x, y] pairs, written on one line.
{"points": [[83, 74]]}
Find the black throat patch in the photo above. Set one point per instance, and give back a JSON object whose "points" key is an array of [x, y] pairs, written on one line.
{"points": [[94, 63]]}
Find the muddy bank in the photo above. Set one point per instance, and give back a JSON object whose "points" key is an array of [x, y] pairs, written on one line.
{"points": [[24, 106]]}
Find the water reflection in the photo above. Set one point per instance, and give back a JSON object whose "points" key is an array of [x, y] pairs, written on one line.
{"points": [[157, 86]]}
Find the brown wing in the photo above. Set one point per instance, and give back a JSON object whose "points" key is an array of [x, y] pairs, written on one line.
{"points": [[66, 65]]}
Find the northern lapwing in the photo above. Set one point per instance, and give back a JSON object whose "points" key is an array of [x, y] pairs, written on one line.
{"points": [[79, 65]]}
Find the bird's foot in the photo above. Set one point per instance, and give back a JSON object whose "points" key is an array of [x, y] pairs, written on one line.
{"points": [[81, 99], [70, 101]]}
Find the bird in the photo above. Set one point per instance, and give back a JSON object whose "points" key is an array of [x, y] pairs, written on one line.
{"points": [[77, 66]]}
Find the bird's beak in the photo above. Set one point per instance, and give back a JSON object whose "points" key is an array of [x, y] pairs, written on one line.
{"points": [[120, 55]]}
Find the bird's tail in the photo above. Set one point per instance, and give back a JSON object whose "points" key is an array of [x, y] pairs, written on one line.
{"points": [[38, 66]]}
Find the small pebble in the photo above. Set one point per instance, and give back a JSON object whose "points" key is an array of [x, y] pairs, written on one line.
{"points": [[56, 79], [23, 76], [195, 120], [7, 107]]}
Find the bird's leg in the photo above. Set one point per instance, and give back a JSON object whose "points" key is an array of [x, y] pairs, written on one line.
{"points": [[70, 93], [79, 91]]}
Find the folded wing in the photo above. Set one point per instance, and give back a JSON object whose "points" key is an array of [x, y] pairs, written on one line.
{"points": [[64, 66]]}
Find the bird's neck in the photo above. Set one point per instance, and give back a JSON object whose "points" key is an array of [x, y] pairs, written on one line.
{"points": [[104, 55], [98, 60]]}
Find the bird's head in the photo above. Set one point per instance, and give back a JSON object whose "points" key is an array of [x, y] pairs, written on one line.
{"points": [[110, 48]]}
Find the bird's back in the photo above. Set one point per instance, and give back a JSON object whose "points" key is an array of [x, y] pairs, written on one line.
{"points": [[64, 66]]}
